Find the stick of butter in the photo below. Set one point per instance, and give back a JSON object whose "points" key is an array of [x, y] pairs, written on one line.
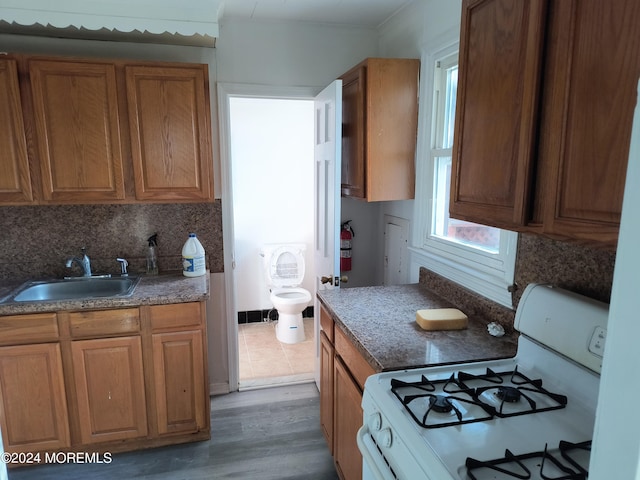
{"points": [[441, 319]]}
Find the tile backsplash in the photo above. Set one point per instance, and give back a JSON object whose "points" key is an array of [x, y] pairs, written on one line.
{"points": [[584, 270], [36, 240]]}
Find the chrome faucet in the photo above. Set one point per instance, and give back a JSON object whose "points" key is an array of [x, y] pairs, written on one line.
{"points": [[83, 262], [123, 267]]}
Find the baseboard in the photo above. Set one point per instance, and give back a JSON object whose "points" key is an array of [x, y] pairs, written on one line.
{"points": [[254, 316], [219, 388]]}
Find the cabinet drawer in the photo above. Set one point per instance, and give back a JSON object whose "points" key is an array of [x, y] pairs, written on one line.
{"points": [[352, 358], [18, 329], [326, 323], [104, 322], [175, 315]]}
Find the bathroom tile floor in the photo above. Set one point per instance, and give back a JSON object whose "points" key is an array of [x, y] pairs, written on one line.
{"points": [[265, 361]]}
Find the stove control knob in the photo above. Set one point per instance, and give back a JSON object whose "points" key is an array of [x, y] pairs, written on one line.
{"points": [[375, 422], [385, 438]]}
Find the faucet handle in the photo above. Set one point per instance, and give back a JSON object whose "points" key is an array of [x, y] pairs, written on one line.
{"points": [[123, 267]]}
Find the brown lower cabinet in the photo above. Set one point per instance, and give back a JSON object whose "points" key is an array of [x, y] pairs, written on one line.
{"points": [[343, 371], [178, 382], [109, 384], [104, 380], [33, 413]]}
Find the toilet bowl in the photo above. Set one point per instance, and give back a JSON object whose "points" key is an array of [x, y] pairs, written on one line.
{"points": [[284, 267]]}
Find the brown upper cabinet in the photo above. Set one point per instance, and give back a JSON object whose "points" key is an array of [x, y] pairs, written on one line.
{"points": [[75, 107], [544, 112], [379, 129], [102, 131], [170, 133], [15, 179]]}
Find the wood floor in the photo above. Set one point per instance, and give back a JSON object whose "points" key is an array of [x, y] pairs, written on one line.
{"points": [[266, 434]]}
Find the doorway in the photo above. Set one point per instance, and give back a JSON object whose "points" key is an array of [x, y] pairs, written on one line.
{"points": [[270, 180]]}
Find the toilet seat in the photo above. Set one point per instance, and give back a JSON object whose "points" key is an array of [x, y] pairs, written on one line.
{"points": [[290, 296], [286, 267]]}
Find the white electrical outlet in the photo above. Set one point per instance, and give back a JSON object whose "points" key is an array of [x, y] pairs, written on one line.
{"points": [[596, 344]]}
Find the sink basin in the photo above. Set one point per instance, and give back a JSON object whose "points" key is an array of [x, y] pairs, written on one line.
{"points": [[75, 289]]}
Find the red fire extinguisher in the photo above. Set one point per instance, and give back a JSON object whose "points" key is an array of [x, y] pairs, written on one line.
{"points": [[346, 234]]}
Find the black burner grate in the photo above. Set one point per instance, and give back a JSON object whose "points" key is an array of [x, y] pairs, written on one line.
{"points": [[466, 398], [434, 410], [530, 465], [520, 387]]}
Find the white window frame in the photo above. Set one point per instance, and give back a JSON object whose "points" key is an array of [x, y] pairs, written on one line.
{"points": [[489, 275]]}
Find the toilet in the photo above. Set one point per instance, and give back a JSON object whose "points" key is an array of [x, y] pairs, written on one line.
{"points": [[284, 268]]}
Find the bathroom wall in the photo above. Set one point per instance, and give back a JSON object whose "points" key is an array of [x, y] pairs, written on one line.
{"points": [[272, 183], [36, 240]]}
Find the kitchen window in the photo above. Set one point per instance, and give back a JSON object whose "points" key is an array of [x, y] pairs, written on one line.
{"points": [[479, 257]]}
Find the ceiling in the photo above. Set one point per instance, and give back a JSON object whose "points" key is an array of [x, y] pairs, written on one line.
{"points": [[364, 13]]}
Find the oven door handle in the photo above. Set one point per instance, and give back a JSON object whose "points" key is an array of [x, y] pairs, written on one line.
{"points": [[372, 457]]}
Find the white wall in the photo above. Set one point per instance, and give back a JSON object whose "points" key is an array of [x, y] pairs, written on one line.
{"points": [[281, 53], [367, 244], [277, 55], [272, 172], [616, 442], [299, 55], [409, 34]]}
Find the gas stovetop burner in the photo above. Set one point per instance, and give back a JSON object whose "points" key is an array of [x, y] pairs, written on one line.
{"points": [[466, 398], [544, 464], [440, 403], [505, 390], [508, 394]]}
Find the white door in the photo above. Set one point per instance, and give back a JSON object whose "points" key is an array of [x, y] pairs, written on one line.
{"points": [[328, 143]]}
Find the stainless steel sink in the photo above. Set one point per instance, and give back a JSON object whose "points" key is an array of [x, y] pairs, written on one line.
{"points": [[74, 289]]}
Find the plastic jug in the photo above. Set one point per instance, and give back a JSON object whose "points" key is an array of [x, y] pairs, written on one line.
{"points": [[193, 263]]}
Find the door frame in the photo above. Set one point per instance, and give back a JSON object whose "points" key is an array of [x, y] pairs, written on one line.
{"points": [[225, 91]]}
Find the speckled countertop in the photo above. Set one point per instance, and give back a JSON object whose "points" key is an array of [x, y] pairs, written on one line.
{"points": [[381, 322], [152, 290]]}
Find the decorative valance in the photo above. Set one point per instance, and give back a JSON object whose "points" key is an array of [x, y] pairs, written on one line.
{"points": [[190, 22]]}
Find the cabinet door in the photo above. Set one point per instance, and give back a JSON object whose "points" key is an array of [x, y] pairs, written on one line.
{"points": [[76, 115], [501, 46], [33, 405], [170, 132], [109, 384], [326, 389], [347, 422], [353, 128], [391, 128], [592, 74], [181, 398], [15, 180]]}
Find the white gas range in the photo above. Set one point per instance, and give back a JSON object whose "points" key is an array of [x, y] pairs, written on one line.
{"points": [[531, 416]]}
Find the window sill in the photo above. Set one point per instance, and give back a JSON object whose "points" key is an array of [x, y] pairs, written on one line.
{"points": [[488, 282]]}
